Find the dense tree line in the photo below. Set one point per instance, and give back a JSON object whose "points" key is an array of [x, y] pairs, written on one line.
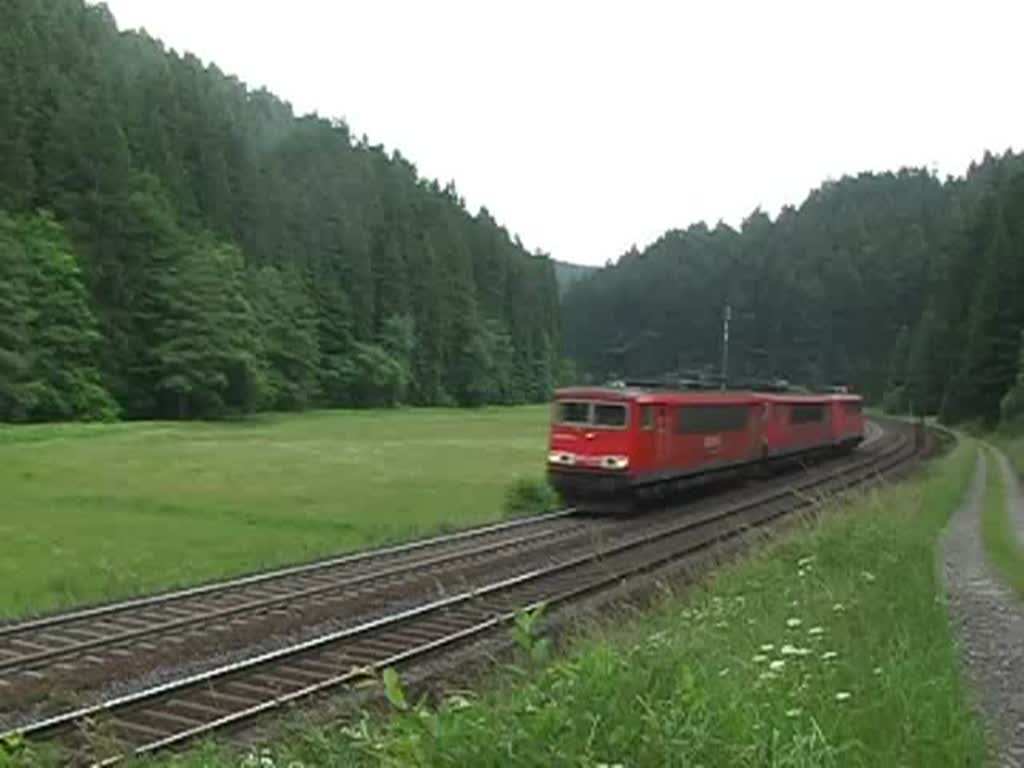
{"points": [[174, 244], [905, 286]]}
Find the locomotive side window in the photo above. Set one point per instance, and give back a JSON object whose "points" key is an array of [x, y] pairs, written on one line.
{"points": [[609, 415], [647, 417], [806, 414], [703, 419]]}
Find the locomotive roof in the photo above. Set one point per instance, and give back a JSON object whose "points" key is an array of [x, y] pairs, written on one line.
{"points": [[709, 397]]}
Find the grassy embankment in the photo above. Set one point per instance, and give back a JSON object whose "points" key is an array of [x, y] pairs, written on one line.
{"points": [[1004, 549], [97, 511], [832, 648]]}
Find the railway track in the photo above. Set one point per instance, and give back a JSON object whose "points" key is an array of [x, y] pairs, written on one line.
{"points": [[234, 694], [258, 613]]}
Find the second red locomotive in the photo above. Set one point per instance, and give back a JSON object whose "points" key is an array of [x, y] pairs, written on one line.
{"points": [[614, 443]]}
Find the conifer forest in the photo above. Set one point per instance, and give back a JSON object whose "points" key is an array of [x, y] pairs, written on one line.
{"points": [[176, 245]]}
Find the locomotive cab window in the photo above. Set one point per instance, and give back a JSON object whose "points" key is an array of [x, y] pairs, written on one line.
{"points": [[583, 413], [572, 413], [606, 415], [704, 419]]}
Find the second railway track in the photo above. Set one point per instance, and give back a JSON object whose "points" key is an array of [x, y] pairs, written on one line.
{"points": [[233, 694]]}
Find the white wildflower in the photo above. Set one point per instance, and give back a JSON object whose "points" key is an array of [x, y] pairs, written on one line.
{"points": [[838, 607], [723, 672], [458, 702], [794, 650], [843, 696], [767, 647], [816, 631], [777, 665], [868, 576], [760, 658], [829, 655], [877, 670], [795, 712], [793, 623], [805, 561]]}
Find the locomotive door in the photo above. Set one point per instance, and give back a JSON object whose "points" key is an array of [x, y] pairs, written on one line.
{"points": [[662, 438]]}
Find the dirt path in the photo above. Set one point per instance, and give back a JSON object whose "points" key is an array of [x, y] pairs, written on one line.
{"points": [[990, 622]]}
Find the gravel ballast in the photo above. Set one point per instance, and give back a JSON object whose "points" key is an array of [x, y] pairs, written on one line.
{"points": [[989, 620]]}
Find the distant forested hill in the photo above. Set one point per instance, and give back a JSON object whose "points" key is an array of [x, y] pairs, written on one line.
{"points": [[173, 244], [566, 274], [908, 287]]}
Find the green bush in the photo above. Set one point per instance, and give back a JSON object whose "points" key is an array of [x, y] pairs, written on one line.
{"points": [[528, 497], [895, 400]]}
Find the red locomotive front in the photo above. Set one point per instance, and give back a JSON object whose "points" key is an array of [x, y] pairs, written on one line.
{"points": [[591, 448]]}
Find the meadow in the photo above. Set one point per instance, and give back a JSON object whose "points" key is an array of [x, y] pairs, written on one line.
{"points": [[95, 511], [999, 533], [831, 648]]}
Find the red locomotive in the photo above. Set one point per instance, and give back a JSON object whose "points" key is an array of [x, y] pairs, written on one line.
{"points": [[610, 444]]}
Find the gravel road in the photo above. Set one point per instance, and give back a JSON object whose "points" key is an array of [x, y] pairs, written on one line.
{"points": [[989, 620]]}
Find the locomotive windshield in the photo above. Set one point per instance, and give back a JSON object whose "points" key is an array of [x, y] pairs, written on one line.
{"points": [[585, 413]]}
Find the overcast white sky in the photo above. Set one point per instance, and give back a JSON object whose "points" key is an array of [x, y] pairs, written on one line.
{"points": [[586, 127]]}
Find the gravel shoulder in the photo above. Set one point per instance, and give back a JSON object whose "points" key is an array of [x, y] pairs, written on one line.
{"points": [[989, 619]]}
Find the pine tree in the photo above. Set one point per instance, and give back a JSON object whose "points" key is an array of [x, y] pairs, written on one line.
{"points": [[289, 353], [51, 342], [207, 353], [16, 314], [991, 355]]}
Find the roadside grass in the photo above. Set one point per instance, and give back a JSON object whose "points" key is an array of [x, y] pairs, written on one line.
{"points": [[831, 647], [94, 511], [1004, 549], [1013, 444]]}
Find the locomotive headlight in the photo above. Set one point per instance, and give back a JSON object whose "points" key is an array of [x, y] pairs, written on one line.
{"points": [[615, 462], [561, 457]]}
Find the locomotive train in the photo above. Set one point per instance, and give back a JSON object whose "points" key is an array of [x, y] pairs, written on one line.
{"points": [[614, 446]]}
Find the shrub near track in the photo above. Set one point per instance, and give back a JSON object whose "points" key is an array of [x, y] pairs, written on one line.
{"points": [[95, 511], [832, 647]]}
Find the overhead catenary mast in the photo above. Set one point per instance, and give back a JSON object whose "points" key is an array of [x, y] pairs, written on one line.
{"points": [[726, 317]]}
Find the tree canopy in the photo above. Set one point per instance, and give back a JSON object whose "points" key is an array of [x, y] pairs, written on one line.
{"points": [[218, 254], [905, 286]]}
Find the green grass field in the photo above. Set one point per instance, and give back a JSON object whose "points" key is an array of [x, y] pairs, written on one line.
{"points": [[998, 533], [1014, 447], [832, 648], [98, 511]]}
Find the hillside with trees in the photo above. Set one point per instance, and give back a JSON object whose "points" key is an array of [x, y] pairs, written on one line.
{"points": [[174, 244], [567, 275], [905, 286]]}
